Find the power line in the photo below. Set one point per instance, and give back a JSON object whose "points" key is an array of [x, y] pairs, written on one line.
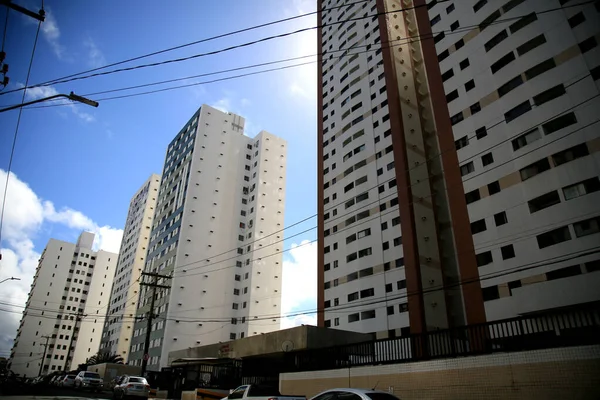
{"points": [[416, 37], [220, 36], [14, 141]]}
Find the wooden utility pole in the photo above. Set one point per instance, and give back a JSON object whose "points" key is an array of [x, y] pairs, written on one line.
{"points": [[153, 285], [44, 356], [77, 319]]}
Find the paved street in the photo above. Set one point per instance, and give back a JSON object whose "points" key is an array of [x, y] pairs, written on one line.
{"points": [[57, 393]]}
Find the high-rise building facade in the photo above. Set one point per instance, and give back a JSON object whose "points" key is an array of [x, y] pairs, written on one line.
{"points": [[66, 308], [394, 237], [216, 234], [522, 81], [458, 159], [118, 327]]}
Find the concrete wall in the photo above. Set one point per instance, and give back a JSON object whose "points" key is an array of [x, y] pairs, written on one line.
{"points": [[567, 373]]}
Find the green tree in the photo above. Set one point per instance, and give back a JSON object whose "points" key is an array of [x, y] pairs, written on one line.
{"points": [[101, 358]]}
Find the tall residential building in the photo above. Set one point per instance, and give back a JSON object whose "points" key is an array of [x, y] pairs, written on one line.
{"points": [[65, 309], [217, 233], [522, 80], [421, 206], [118, 326], [393, 226]]}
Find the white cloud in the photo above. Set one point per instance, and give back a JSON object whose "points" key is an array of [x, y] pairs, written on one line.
{"points": [[51, 33], [299, 291], [40, 92], [24, 216], [223, 104], [95, 56]]}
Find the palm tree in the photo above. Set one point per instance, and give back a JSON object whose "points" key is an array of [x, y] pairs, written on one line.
{"points": [[101, 358]]}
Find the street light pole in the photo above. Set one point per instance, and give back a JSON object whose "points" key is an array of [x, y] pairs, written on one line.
{"points": [[44, 356], [71, 96]]}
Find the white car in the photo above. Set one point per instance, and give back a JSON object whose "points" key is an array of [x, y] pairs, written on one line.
{"points": [[131, 386], [88, 380], [354, 394], [67, 381]]}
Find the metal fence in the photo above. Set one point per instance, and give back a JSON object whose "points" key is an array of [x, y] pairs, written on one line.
{"points": [[549, 330]]}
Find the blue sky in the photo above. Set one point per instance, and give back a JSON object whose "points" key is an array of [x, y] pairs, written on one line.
{"points": [[83, 164]]}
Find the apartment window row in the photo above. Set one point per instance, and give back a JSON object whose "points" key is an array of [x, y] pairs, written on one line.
{"points": [[505, 289], [365, 272], [582, 228]]}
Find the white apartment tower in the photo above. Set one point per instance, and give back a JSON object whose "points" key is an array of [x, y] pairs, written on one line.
{"points": [[522, 81], [118, 327], [66, 308], [458, 151], [217, 234]]}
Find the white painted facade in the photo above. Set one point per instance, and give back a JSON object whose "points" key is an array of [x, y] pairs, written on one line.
{"points": [[118, 327], [220, 192], [555, 50], [69, 294], [360, 290]]}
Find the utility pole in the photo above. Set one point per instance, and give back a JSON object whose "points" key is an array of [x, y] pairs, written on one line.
{"points": [[44, 356], [40, 16], [153, 285], [77, 319]]}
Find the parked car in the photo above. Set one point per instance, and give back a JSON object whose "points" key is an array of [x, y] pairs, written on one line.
{"points": [[131, 386], [88, 380], [67, 381], [259, 392], [354, 394]]}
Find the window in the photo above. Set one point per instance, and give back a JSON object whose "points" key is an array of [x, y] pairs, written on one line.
{"points": [[453, 95], [582, 188], [530, 45], [526, 138], [472, 196], [388, 287], [479, 5], [464, 63], [478, 226], [435, 20], [502, 62], [484, 258], [440, 36], [353, 296], [367, 293], [588, 44], [490, 293], [549, 94], [544, 201], [450, 8], [353, 317], [462, 142], [570, 154], [534, 169], [469, 85], [447, 75], [553, 237], [587, 227], [456, 118], [454, 26], [558, 123], [496, 40], [523, 22], [510, 85], [467, 168], [576, 19], [540, 68], [500, 218], [508, 252], [390, 310], [517, 111], [487, 159], [367, 314], [563, 273], [481, 132]]}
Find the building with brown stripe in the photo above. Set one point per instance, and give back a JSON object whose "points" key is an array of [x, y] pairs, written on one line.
{"points": [[442, 126]]}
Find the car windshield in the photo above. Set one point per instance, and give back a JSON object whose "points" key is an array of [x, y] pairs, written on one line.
{"points": [[137, 380], [381, 396], [91, 375], [70, 376]]}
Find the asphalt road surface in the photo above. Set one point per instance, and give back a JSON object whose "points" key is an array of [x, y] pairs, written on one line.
{"points": [[54, 393]]}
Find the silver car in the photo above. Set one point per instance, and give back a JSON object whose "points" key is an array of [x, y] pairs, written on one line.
{"points": [[131, 386], [354, 394], [88, 380]]}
